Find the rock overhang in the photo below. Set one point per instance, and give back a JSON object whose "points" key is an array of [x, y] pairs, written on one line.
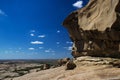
{"points": [[95, 29]]}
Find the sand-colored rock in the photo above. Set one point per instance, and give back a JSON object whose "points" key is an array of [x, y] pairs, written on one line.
{"points": [[95, 29], [81, 73], [88, 68]]}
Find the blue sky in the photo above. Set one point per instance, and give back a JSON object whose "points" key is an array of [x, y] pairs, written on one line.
{"points": [[32, 29]]}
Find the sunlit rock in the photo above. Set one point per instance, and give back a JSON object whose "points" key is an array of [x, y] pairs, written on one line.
{"points": [[95, 29]]}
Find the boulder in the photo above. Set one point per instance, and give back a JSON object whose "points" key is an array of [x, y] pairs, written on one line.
{"points": [[70, 65], [95, 29]]}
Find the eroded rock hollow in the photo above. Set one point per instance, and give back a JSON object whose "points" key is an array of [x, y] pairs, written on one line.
{"points": [[95, 29]]}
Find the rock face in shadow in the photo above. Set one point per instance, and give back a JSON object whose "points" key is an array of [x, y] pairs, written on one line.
{"points": [[70, 65], [95, 29]]}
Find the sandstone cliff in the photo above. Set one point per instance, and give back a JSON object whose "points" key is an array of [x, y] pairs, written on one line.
{"points": [[95, 29]]}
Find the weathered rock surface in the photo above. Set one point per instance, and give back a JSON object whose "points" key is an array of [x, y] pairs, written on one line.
{"points": [[87, 60], [95, 29], [88, 68]]}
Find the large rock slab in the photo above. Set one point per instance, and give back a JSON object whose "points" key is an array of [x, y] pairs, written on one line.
{"points": [[88, 61], [88, 68], [95, 29]]}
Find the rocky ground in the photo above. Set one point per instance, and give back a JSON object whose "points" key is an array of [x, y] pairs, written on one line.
{"points": [[88, 68], [16, 68]]}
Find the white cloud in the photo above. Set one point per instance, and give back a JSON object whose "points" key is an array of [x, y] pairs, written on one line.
{"points": [[19, 48], [31, 48], [47, 51], [2, 13], [68, 48], [78, 4], [65, 47], [32, 34], [17, 51], [40, 47], [37, 42], [68, 42], [58, 31], [32, 31], [57, 42], [41, 36]]}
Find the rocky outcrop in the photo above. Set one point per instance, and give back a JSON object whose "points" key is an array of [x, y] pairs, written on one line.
{"points": [[95, 29], [88, 68], [63, 61], [87, 60]]}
